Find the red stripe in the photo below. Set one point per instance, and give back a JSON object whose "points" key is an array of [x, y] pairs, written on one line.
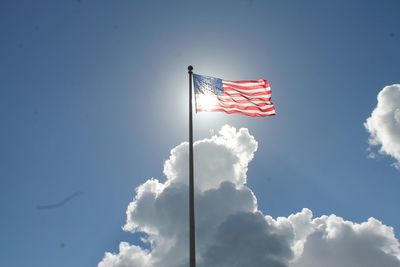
{"points": [[244, 98], [247, 81], [263, 108], [246, 87], [233, 93], [260, 108], [241, 101], [236, 111], [245, 90]]}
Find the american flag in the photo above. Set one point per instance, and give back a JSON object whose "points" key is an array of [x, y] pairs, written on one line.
{"points": [[248, 97]]}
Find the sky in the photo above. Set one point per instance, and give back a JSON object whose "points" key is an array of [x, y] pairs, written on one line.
{"points": [[94, 104]]}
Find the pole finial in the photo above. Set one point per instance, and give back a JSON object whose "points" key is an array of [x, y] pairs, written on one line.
{"points": [[190, 68]]}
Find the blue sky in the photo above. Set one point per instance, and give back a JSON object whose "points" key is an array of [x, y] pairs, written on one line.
{"points": [[93, 95]]}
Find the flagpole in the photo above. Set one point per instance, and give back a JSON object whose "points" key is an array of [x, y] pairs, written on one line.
{"points": [[192, 243]]}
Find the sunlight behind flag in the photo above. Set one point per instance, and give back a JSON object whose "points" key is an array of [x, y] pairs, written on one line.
{"points": [[248, 97], [206, 102]]}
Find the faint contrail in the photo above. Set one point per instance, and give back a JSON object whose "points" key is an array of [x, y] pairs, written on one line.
{"points": [[59, 204]]}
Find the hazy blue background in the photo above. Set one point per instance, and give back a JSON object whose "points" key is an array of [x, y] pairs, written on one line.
{"points": [[93, 95]]}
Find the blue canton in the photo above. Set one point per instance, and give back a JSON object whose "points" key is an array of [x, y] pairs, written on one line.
{"points": [[207, 85]]}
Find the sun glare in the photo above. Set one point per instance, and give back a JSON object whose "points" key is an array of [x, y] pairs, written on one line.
{"points": [[207, 102]]}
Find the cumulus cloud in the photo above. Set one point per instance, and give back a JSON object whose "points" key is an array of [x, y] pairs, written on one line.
{"points": [[331, 241], [384, 123], [231, 230]]}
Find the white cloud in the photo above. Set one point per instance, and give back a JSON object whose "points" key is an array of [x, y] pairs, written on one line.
{"points": [[129, 255], [330, 241], [230, 229], [384, 123], [223, 157]]}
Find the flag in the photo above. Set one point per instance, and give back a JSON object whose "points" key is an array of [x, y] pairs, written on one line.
{"points": [[248, 97]]}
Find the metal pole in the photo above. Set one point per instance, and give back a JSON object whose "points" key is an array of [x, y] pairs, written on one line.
{"points": [[192, 254]]}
